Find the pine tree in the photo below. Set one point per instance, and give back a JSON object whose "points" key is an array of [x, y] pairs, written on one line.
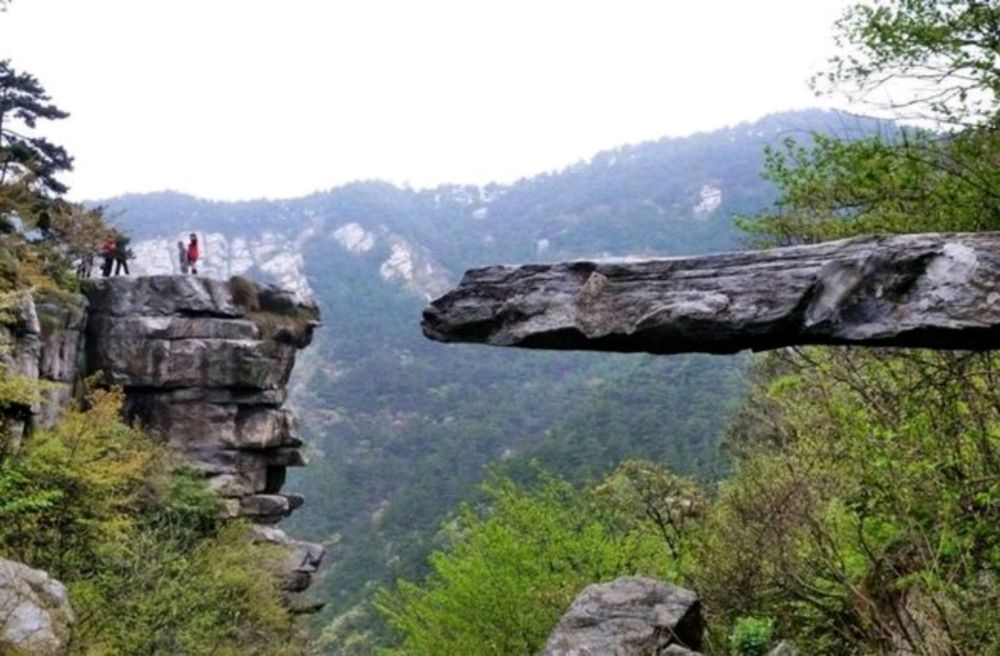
{"points": [[28, 160]]}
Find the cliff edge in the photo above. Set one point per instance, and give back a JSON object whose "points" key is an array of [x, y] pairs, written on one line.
{"points": [[204, 364]]}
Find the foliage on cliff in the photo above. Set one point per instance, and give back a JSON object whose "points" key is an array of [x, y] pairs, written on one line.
{"points": [[863, 512], [138, 540]]}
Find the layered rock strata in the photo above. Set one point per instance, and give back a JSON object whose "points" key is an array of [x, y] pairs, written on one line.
{"points": [[206, 367], [629, 616], [203, 363], [931, 290]]}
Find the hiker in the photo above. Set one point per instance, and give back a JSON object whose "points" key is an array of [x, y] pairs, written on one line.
{"points": [[108, 253], [192, 253], [182, 257], [86, 265], [122, 253]]}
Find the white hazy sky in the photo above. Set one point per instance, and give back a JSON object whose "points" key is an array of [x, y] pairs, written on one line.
{"points": [[236, 99]]}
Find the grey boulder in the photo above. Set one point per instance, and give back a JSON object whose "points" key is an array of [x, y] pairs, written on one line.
{"points": [[630, 616], [35, 614]]}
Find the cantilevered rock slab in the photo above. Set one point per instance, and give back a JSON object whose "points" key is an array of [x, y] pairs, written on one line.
{"points": [[928, 290]]}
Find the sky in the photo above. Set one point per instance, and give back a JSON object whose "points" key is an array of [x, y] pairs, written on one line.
{"points": [[238, 99]]}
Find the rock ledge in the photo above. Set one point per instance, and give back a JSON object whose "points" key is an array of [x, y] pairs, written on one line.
{"points": [[931, 290]]}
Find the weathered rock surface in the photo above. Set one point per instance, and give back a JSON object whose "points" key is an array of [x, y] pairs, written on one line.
{"points": [[35, 615], [205, 363], [41, 338], [630, 616], [932, 290], [783, 648], [301, 561]]}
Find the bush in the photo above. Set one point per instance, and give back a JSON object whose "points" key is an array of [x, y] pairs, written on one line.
{"points": [[139, 541], [513, 569], [751, 636], [244, 293]]}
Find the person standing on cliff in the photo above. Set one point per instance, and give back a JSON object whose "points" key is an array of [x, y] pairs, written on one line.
{"points": [[108, 253], [122, 253], [192, 253], [182, 257]]}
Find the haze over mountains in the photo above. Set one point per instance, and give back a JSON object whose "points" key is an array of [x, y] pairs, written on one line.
{"points": [[402, 429]]}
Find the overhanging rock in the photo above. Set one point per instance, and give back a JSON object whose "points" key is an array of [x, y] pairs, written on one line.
{"points": [[205, 364], [928, 290]]}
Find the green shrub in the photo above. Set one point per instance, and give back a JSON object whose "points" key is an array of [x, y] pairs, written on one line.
{"points": [[138, 539], [751, 636], [244, 293], [514, 567]]}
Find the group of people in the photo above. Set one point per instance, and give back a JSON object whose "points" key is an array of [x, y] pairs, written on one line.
{"points": [[115, 254]]}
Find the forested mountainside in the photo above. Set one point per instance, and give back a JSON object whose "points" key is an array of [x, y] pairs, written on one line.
{"points": [[402, 429]]}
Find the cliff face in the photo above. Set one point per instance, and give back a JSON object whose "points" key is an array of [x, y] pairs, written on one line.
{"points": [[203, 363], [41, 338], [206, 365]]}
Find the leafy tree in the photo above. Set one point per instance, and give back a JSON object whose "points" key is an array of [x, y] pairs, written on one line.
{"points": [[513, 568], [648, 492], [944, 52], [30, 194], [863, 511]]}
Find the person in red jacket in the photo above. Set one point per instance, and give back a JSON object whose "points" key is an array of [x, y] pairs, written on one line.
{"points": [[192, 253], [108, 247]]}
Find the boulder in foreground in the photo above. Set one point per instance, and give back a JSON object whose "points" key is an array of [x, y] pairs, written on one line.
{"points": [[630, 616], [35, 615]]}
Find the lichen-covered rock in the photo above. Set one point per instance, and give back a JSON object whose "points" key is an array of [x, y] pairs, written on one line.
{"points": [[930, 290], [35, 614], [630, 616], [678, 650], [783, 648], [162, 296]]}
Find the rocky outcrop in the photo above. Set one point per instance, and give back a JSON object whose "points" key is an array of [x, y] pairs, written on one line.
{"points": [[35, 615], [630, 616], [300, 562], [41, 339], [932, 290], [204, 363]]}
